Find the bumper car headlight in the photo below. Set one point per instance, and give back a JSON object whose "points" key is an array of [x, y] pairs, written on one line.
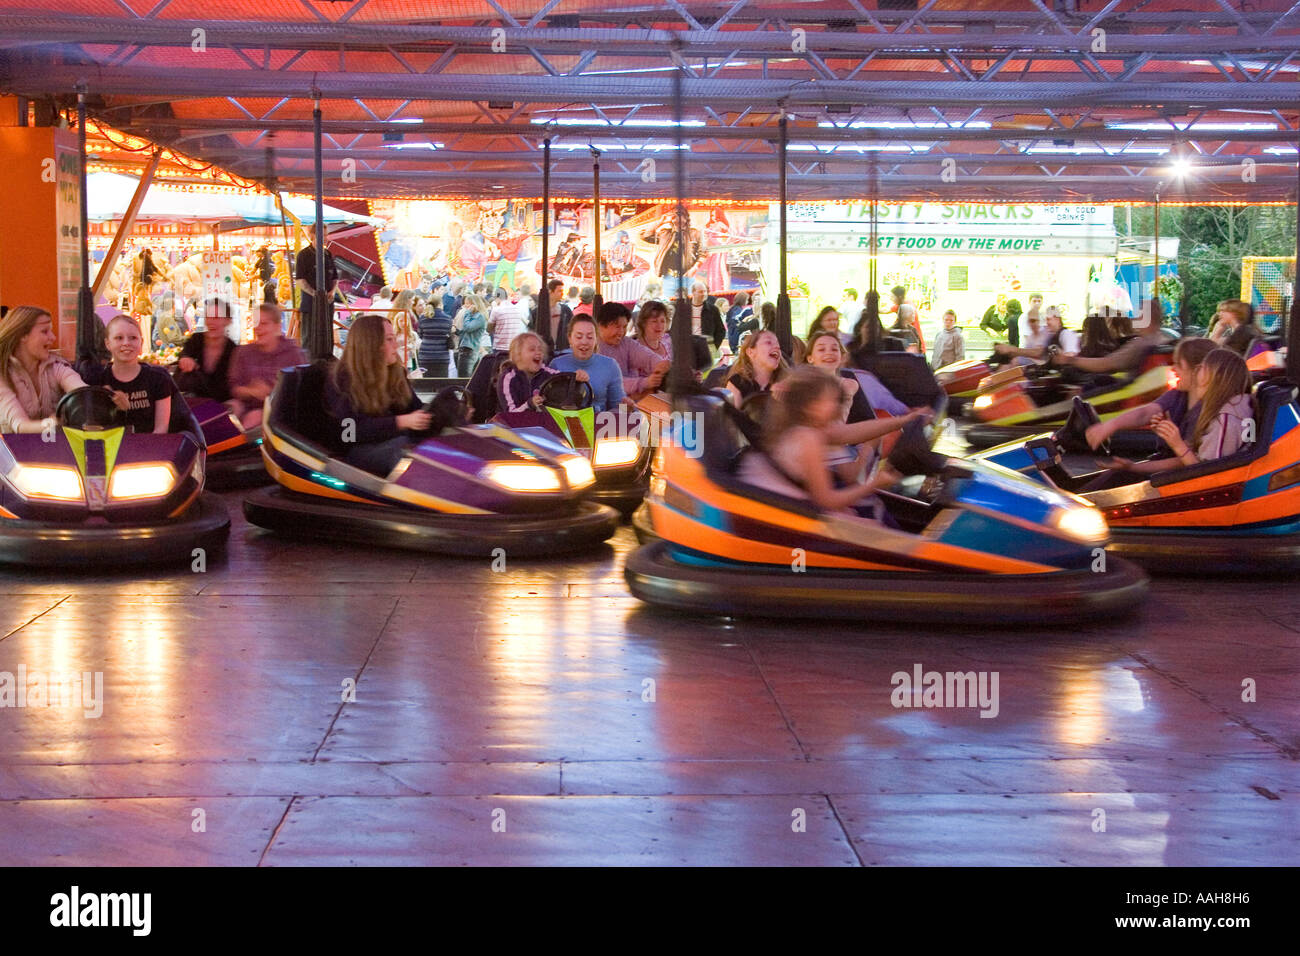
{"points": [[48, 481], [141, 481], [613, 452], [1084, 524], [520, 476], [578, 470], [984, 401]]}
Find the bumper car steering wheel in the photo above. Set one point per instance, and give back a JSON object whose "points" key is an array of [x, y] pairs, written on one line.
{"points": [[912, 455], [565, 392], [450, 407], [1072, 436], [89, 407]]}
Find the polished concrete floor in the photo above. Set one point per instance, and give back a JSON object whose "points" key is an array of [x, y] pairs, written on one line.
{"points": [[505, 717]]}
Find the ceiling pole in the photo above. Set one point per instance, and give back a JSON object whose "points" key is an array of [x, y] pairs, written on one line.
{"points": [[682, 374], [1155, 250], [1291, 334], [596, 222], [869, 328], [783, 322], [544, 320], [319, 336], [89, 331]]}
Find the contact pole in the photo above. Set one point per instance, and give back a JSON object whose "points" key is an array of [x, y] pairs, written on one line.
{"points": [[682, 375], [88, 335], [1155, 249], [320, 337], [595, 221], [783, 323], [1291, 334], [544, 295]]}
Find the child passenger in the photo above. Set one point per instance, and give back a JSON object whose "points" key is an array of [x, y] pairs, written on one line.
{"points": [[1208, 424], [524, 373], [797, 436], [143, 391], [1220, 427]]}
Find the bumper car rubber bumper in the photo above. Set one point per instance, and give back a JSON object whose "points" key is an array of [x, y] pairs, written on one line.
{"points": [[460, 535], [1258, 554], [625, 497], [1128, 443], [909, 598], [106, 546], [643, 526], [241, 467]]}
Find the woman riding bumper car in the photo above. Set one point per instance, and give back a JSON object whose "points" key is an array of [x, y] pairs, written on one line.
{"points": [[87, 490]]}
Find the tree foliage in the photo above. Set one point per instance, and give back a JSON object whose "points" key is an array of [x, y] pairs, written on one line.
{"points": [[1213, 240]]}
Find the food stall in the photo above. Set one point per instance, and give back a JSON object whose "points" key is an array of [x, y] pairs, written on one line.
{"points": [[960, 256]]}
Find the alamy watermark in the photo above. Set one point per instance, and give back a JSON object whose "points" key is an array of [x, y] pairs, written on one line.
{"points": [[675, 429], [922, 688], [130, 910], [53, 689]]}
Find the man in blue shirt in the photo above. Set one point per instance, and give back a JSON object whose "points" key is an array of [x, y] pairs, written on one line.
{"points": [[603, 373]]}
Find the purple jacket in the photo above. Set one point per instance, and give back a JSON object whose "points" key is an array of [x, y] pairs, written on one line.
{"points": [[515, 389], [634, 360], [252, 363]]}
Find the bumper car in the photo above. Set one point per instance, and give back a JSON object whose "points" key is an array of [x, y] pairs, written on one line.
{"points": [[961, 381], [1268, 361], [463, 490], [908, 378], [611, 441], [99, 496], [1238, 514], [1020, 402], [234, 455], [977, 544]]}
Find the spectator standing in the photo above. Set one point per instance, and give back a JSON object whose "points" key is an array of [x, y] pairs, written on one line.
{"points": [[306, 282], [949, 344], [435, 340], [469, 335], [739, 311], [506, 319]]}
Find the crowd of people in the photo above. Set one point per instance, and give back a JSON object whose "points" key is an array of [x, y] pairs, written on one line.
{"points": [[820, 429]]}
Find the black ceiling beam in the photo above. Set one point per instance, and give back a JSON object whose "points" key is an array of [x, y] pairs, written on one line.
{"points": [[994, 32], [609, 89]]}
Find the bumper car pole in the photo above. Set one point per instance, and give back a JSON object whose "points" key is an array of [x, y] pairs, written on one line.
{"points": [[681, 378], [869, 330], [318, 337], [783, 331], [89, 338], [1291, 334], [544, 294], [595, 223]]}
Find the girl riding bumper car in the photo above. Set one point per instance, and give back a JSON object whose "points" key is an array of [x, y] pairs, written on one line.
{"points": [[957, 542]]}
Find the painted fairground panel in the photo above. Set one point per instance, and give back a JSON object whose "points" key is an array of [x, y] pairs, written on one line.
{"points": [[500, 242]]}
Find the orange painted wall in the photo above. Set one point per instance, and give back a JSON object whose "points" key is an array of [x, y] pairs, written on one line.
{"points": [[40, 241]]}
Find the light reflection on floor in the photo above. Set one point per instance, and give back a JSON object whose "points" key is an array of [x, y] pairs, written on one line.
{"points": [[545, 698]]}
